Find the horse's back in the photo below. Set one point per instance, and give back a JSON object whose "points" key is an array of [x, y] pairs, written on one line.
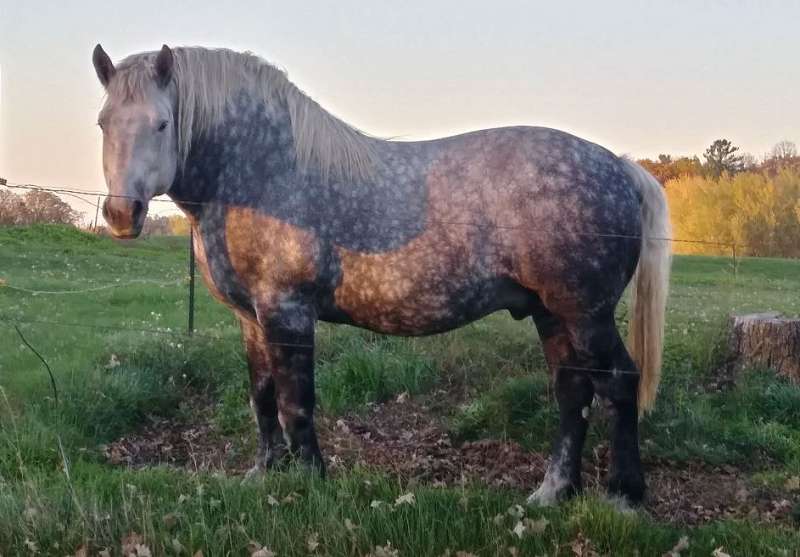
{"points": [[525, 166], [559, 214]]}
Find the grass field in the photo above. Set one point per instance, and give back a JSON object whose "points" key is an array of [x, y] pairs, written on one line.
{"points": [[116, 347]]}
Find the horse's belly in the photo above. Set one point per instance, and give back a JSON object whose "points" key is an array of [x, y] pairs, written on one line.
{"points": [[417, 290], [418, 312]]}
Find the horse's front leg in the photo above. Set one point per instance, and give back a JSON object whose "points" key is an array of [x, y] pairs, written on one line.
{"points": [[290, 345], [271, 444]]}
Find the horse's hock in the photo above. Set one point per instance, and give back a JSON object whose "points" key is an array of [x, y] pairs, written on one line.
{"points": [[764, 340]]}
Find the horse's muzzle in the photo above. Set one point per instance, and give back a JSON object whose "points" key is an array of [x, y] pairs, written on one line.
{"points": [[125, 217]]}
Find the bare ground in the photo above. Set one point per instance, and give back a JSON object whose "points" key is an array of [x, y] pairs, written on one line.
{"points": [[407, 440]]}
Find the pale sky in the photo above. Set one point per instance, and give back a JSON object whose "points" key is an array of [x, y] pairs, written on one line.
{"points": [[637, 77]]}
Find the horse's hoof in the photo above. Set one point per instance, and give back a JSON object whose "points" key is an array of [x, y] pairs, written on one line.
{"points": [[255, 473], [630, 488], [620, 503], [545, 496], [536, 499], [554, 488]]}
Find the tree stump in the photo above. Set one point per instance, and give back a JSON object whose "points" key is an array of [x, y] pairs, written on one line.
{"points": [[764, 340]]}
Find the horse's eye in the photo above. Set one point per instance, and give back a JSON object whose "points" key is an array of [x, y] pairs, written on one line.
{"points": [[163, 125], [100, 125]]}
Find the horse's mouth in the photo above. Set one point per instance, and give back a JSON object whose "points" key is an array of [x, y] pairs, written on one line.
{"points": [[125, 216], [128, 234]]}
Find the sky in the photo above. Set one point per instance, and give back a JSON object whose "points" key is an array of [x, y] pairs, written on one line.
{"points": [[637, 77]]}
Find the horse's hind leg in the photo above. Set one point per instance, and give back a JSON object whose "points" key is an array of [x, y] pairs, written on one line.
{"points": [[620, 389], [271, 445], [597, 345], [574, 392]]}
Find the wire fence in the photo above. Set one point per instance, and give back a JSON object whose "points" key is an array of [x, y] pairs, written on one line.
{"points": [[372, 213]]}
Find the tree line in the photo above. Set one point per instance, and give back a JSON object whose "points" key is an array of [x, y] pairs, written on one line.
{"points": [[733, 198], [721, 158]]}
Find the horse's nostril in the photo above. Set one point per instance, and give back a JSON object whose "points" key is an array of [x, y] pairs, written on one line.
{"points": [[105, 209], [138, 207]]}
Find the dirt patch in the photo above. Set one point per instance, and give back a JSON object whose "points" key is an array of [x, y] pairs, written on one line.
{"points": [[198, 446], [695, 493], [405, 439]]}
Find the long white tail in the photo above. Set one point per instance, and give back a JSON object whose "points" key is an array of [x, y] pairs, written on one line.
{"points": [[649, 286]]}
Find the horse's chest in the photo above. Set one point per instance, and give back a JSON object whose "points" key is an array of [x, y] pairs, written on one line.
{"points": [[271, 258], [258, 262], [207, 251]]}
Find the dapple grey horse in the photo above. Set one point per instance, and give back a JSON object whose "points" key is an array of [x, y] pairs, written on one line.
{"points": [[299, 217]]}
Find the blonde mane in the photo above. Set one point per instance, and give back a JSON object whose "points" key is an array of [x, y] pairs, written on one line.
{"points": [[207, 79]]}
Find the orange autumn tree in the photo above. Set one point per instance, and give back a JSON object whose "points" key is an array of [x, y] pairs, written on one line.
{"points": [[666, 168]]}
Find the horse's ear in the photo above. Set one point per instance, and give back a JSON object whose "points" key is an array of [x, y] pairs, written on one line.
{"points": [[103, 65], [165, 62]]}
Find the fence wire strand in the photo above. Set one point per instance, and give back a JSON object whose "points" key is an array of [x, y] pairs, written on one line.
{"points": [[429, 219], [13, 321], [4, 284]]}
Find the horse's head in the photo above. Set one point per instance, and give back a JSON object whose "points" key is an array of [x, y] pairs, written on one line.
{"points": [[140, 150]]}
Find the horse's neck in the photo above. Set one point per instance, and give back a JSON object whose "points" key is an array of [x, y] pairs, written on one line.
{"points": [[250, 161], [233, 161]]}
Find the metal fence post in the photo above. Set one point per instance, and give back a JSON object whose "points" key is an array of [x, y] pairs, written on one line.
{"points": [[191, 281], [96, 213]]}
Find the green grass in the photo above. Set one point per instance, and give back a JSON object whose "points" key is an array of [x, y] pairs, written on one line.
{"points": [[520, 408], [754, 424], [221, 516], [110, 380], [360, 368]]}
